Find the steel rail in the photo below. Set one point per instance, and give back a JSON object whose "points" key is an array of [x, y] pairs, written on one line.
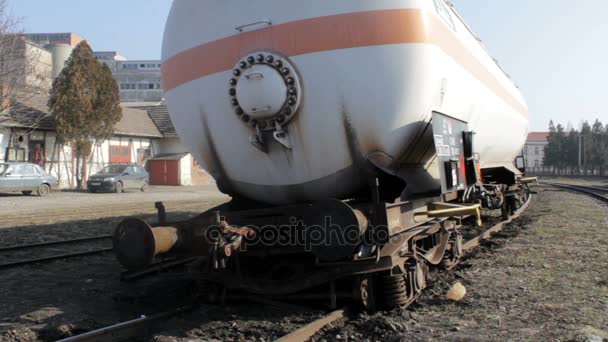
{"points": [[155, 268], [474, 242], [54, 243], [126, 331], [53, 258], [588, 190], [309, 330]]}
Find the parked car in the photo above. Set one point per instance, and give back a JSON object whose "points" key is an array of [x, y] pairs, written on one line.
{"points": [[118, 178], [25, 178]]}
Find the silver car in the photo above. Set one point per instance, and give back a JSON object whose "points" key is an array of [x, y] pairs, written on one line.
{"points": [[25, 178]]}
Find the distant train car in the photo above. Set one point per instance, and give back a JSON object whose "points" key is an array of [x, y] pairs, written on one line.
{"points": [[289, 101]]}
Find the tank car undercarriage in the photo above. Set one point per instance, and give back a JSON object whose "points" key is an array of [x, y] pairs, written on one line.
{"points": [[374, 253], [371, 249]]}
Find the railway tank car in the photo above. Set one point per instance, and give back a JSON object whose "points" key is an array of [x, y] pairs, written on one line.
{"points": [[321, 87], [352, 135]]}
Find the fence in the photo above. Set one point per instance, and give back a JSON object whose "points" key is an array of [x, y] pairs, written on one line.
{"points": [[566, 172]]}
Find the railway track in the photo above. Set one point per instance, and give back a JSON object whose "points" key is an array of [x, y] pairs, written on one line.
{"points": [[63, 256], [142, 326], [59, 215], [596, 192]]}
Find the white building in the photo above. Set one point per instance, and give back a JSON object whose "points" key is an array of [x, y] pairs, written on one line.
{"points": [[109, 57], [534, 150], [30, 136], [139, 81]]}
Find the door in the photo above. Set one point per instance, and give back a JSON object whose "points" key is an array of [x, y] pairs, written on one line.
{"points": [[156, 168], [128, 178], [30, 179], [12, 180], [140, 176], [164, 172], [172, 172]]}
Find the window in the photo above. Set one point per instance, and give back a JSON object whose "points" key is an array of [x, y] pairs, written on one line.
{"points": [[15, 154], [28, 170], [17, 170], [536, 150], [113, 169], [41, 171], [444, 13], [537, 163]]}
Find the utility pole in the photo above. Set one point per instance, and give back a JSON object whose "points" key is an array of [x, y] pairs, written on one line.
{"points": [[580, 137]]}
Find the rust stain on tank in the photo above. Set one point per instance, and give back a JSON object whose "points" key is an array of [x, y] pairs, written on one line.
{"points": [[354, 147]]}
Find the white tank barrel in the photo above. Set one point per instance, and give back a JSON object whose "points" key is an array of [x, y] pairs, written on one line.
{"points": [[286, 101]]}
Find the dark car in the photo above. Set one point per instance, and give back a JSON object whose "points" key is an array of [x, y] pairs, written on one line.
{"points": [[25, 178], [118, 178]]}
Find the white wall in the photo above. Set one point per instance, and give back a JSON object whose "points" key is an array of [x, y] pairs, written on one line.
{"points": [[534, 159], [59, 161], [185, 165], [171, 146], [4, 136], [100, 156]]}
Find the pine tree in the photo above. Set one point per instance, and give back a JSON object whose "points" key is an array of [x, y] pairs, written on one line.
{"points": [[85, 103], [587, 141], [598, 149], [107, 103], [571, 150], [549, 158], [560, 148]]}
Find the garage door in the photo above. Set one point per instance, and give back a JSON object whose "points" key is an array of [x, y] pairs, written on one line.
{"points": [[164, 172]]}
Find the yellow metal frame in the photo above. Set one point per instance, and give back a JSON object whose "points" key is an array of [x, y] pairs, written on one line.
{"points": [[529, 180], [443, 210]]}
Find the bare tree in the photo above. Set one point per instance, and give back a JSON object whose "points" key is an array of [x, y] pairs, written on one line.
{"points": [[22, 73]]}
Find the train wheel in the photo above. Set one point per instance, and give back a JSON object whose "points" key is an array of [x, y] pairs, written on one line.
{"points": [[364, 293], [402, 290], [505, 210], [454, 252], [417, 274]]}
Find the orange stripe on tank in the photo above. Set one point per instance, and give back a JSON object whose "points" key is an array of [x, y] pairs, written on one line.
{"points": [[342, 31]]}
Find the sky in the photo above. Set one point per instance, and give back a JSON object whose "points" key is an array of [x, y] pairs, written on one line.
{"points": [[555, 50]]}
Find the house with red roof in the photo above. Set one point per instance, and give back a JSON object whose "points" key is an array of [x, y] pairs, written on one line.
{"points": [[534, 150]]}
